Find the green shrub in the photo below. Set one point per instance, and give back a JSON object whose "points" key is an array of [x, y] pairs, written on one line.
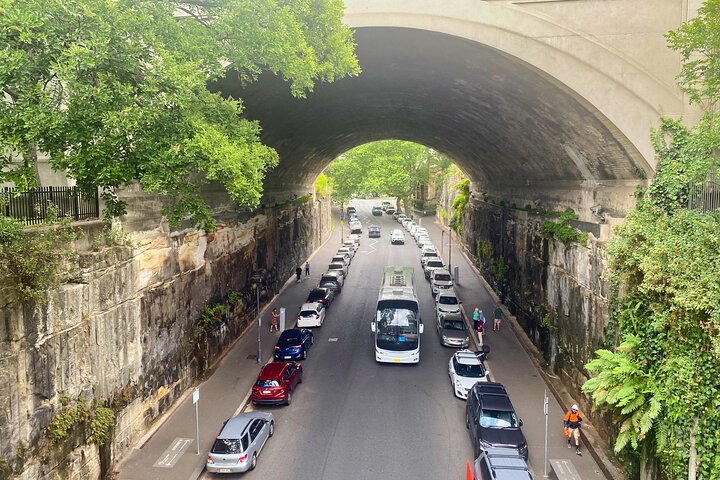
{"points": [[561, 229]]}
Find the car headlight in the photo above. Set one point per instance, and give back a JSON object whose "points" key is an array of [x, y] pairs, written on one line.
{"points": [[445, 339], [458, 384]]}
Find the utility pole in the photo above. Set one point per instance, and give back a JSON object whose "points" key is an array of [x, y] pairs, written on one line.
{"points": [[259, 325]]}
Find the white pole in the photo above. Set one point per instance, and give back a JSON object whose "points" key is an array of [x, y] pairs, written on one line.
{"points": [[196, 397], [546, 408]]}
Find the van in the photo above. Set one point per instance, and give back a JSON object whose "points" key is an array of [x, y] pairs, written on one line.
{"points": [[501, 463]]}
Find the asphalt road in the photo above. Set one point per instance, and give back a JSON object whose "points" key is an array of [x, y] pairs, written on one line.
{"points": [[353, 418]]}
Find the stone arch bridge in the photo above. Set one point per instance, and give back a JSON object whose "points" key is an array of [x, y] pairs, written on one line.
{"points": [[546, 102]]}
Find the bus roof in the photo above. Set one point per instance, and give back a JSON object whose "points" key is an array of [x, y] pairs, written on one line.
{"points": [[398, 283]]}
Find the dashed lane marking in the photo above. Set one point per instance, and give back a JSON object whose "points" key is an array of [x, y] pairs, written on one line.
{"points": [[332, 339]]}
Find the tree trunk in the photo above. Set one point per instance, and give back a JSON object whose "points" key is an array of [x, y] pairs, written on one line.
{"points": [[648, 463], [30, 161]]}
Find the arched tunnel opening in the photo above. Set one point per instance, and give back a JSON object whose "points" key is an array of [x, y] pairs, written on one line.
{"points": [[520, 136]]}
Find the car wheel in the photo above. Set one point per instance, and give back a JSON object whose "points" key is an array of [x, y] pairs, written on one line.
{"points": [[288, 401], [271, 430], [253, 462]]}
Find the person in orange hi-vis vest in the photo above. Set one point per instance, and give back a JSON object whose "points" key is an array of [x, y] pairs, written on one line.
{"points": [[572, 422]]}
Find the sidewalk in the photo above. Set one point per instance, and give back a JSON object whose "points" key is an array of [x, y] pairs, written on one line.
{"points": [[512, 363]]}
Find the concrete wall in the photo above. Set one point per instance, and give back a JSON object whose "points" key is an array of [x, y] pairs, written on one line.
{"points": [[121, 332]]}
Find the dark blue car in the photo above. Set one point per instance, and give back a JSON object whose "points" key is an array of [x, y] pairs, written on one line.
{"points": [[293, 344]]}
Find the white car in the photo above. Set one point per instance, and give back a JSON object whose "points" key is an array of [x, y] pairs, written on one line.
{"points": [[401, 217], [355, 238], [432, 264], [349, 251], [424, 241], [311, 315], [419, 232], [412, 227], [427, 253], [351, 245], [447, 302], [440, 281], [405, 222], [339, 267], [343, 258], [397, 237], [465, 369]]}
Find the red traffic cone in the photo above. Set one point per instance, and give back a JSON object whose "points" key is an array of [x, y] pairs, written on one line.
{"points": [[469, 473]]}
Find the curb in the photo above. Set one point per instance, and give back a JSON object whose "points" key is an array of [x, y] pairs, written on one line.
{"points": [[606, 466]]}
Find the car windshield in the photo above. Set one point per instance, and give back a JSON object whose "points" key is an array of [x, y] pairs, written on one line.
{"points": [[315, 296], [443, 277], [470, 371], [267, 383], [328, 282], [497, 419], [226, 446], [397, 329], [308, 313], [454, 325], [435, 263], [335, 266], [447, 299]]}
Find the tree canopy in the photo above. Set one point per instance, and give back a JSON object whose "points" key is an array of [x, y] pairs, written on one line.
{"points": [[389, 167], [115, 91], [660, 383]]}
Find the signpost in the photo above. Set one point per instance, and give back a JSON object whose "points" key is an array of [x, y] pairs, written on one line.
{"points": [[546, 410], [195, 398]]}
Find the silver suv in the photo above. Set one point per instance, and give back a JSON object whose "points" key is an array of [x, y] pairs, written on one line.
{"points": [[505, 463], [239, 443]]}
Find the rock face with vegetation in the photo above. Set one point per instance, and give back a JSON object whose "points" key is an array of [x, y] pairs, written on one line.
{"points": [[86, 372]]}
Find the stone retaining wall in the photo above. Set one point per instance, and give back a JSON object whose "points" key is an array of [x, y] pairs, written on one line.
{"points": [[123, 333]]}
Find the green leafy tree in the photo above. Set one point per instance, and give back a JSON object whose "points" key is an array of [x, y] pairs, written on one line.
{"points": [[115, 91], [661, 383], [391, 167]]}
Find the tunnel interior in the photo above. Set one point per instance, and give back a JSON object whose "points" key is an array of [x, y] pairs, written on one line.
{"points": [[508, 126]]}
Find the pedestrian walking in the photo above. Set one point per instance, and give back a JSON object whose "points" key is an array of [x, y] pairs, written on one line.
{"points": [[572, 422], [298, 273], [498, 319], [274, 320], [307, 269], [479, 324]]}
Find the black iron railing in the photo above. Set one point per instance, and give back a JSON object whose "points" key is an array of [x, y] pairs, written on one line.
{"points": [[32, 206], [705, 195]]}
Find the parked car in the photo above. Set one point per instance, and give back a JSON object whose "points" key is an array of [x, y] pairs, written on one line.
{"points": [[396, 215], [332, 281], [275, 383], [466, 368], [351, 245], [440, 280], [505, 463], [355, 237], [452, 330], [431, 265], [340, 267], [397, 237], [424, 241], [446, 301], [351, 209], [355, 227], [411, 227], [390, 210], [491, 419], [377, 211], [400, 217], [426, 253], [405, 222], [322, 295], [385, 205], [293, 344], [349, 251], [420, 231], [342, 258], [374, 231], [311, 315], [239, 443]]}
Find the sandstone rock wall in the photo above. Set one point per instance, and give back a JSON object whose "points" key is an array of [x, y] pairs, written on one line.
{"points": [[123, 333]]}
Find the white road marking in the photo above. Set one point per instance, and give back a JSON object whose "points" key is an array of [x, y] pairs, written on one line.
{"points": [[170, 457], [332, 339]]}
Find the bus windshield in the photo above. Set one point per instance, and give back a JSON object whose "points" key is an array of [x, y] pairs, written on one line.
{"points": [[397, 328]]}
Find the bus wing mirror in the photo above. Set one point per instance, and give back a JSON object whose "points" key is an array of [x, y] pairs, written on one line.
{"points": [[422, 328], [372, 326]]}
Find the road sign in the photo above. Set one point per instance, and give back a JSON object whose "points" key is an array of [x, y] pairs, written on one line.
{"points": [[195, 398], [196, 395]]}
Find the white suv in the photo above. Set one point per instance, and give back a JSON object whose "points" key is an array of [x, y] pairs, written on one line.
{"points": [[440, 280]]}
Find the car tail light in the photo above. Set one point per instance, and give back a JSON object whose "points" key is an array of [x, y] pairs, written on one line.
{"points": [[210, 459], [242, 458], [317, 315], [297, 346], [277, 348]]}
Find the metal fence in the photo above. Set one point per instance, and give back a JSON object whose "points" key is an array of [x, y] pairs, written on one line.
{"points": [[32, 206], [705, 196]]}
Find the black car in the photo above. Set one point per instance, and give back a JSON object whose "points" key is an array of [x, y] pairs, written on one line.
{"points": [[322, 295], [491, 419], [330, 281], [377, 211], [293, 344]]}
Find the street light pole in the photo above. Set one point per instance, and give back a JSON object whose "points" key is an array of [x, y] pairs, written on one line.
{"points": [[450, 251]]}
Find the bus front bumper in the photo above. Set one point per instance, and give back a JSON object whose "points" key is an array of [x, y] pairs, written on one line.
{"points": [[386, 356]]}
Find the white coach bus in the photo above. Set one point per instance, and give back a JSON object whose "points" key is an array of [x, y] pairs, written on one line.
{"points": [[397, 325]]}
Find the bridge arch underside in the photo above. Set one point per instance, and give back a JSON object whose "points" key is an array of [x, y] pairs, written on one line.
{"points": [[519, 135]]}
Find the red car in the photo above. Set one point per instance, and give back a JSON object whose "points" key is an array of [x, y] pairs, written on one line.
{"points": [[275, 383]]}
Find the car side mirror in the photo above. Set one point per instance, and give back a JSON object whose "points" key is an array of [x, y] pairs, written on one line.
{"points": [[372, 326], [422, 328], [520, 423]]}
